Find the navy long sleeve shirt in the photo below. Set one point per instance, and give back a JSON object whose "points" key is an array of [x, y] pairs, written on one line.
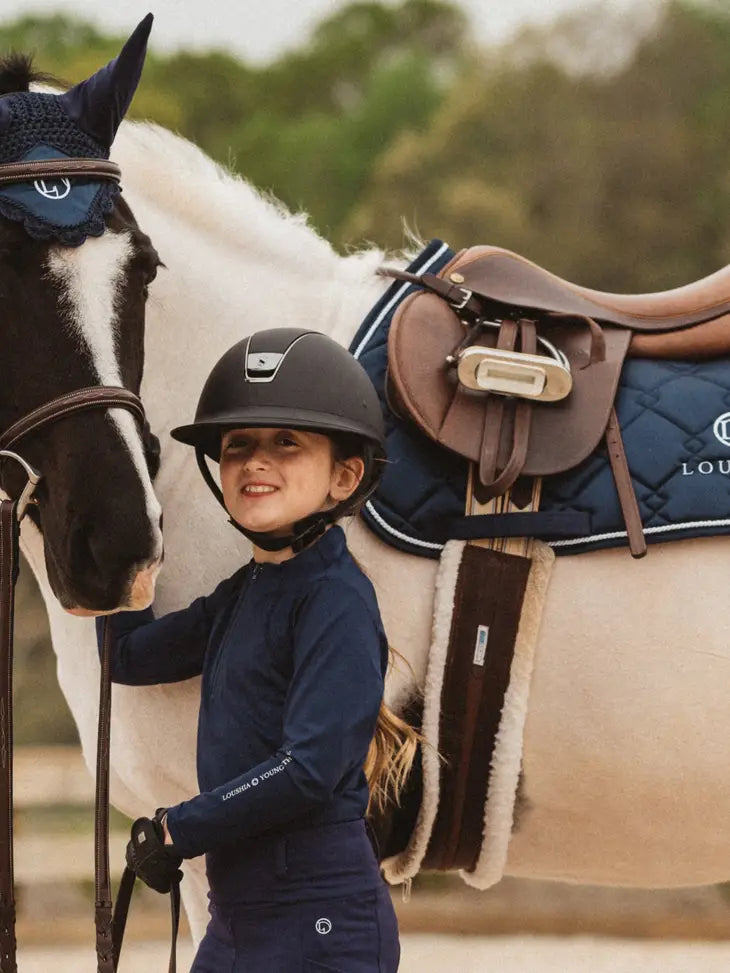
{"points": [[293, 658]]}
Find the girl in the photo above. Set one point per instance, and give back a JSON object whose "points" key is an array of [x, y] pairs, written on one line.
{"points": [[293, 655]]}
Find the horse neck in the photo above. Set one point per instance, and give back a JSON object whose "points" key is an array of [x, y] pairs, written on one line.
{"points": [[235, 264]]}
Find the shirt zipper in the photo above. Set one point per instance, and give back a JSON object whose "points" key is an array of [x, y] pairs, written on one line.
{"points": [[231, 621]]}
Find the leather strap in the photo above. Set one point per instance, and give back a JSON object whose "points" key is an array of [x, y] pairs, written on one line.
{"points": [[102, 874], [96, 396], [121, 911], [9, 531], [64, 405], [624, 487], [91, 169], [489, 485]]}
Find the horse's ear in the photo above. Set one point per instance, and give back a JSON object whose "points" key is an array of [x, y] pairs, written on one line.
{"points": [[99, 104]]}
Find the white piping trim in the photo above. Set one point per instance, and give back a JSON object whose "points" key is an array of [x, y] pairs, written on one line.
{"points": [[396, 533], [613, 535], [395, 300]]}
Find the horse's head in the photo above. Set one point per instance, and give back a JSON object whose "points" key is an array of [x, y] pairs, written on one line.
{"points": [[74, 272]]}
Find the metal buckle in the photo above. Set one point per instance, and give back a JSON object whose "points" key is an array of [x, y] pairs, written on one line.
{"points": [[467, 297], [34, 478], [513, 373]]}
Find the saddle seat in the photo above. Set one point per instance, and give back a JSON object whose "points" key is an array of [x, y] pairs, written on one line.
{"points": [[507, 278]]}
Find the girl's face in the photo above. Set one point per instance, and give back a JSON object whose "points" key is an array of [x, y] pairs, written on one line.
{"points": [[273, 477]]}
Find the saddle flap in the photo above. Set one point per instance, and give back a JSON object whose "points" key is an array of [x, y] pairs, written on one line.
{"points": [[425, 330]]}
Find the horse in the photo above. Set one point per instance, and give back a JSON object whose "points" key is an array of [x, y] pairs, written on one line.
{"points": [[623, 778]]}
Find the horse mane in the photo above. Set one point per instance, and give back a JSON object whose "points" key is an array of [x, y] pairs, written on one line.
{"points": [[178, 177], [17, 73]]}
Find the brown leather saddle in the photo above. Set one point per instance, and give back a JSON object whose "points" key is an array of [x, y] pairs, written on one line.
{"points": [[517, 369]]}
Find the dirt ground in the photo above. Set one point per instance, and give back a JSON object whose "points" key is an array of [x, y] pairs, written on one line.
{"points": [[443, 954]]}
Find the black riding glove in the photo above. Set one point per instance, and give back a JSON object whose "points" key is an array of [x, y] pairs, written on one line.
{"points": [[157, 864]]}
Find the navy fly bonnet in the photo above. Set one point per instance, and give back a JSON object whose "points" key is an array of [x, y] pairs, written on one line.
{"points": [[80, 123]]}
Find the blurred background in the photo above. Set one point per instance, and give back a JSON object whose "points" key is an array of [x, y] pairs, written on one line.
{"points": [[591, 138]]}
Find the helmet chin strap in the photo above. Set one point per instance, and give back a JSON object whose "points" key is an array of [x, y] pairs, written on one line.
{"points": [[306, 531]]}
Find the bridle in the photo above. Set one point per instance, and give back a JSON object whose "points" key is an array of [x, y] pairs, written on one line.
{"points": [[109, 928]]}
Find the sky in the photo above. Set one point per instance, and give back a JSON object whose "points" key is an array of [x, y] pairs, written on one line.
{"points": [[260, 30]]}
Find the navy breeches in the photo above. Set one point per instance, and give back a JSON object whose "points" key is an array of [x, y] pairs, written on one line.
{"points": [[310, 901]]}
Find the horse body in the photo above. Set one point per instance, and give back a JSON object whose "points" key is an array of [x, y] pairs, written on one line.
{"points": [[624, 776]]}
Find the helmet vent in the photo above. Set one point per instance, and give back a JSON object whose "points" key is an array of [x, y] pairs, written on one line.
{"points": [[261, 366]]}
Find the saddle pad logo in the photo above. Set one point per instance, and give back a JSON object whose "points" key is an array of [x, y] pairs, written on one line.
{"points": [[323, 926], [721, 428], [56, 189]]}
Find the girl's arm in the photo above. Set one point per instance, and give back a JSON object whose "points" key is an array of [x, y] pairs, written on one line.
{"points": [[148, 650], [329, 720]]}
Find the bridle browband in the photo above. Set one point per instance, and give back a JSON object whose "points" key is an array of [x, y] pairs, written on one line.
{"points": [[92, 169]]}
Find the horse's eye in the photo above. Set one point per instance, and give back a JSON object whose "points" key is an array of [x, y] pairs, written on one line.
{"points": [[149, 274]]}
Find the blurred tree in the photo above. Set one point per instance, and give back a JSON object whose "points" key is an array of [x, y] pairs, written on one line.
{"points": [[618, 180]]}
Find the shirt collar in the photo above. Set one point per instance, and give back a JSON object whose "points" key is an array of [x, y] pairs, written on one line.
{"points": [[326, 549]]}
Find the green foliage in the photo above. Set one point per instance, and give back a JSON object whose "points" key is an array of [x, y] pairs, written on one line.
{"points": [[619, 180]]}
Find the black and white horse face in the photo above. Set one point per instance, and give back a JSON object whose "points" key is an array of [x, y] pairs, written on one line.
{"points": [[73, 317]]}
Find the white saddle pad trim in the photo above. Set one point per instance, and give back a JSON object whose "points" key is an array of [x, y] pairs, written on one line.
{"points": [[399, 868]]}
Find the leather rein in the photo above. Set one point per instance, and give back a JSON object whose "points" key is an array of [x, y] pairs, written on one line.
{"points": [[109, 927]]}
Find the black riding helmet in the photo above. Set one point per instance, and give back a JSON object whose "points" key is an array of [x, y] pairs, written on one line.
{"points": [[296, 379]]}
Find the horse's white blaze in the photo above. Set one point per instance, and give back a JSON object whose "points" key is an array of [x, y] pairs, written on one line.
{"points": [[91, 277]]}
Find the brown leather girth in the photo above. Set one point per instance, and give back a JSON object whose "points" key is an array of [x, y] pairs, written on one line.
{"points": [[489, 592], [9, 531]]}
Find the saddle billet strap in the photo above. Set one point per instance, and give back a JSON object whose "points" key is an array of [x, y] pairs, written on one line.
{"points": [[91, 169], [490, 485], [94, 396], [624, 487], [9, 531]]}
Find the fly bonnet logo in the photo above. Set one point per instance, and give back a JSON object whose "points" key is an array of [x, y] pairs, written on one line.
{"points": [[721, 428], [54, 190]]}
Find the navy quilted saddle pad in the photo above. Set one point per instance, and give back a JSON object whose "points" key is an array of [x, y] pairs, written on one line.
{"points": [[675, 420]]}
